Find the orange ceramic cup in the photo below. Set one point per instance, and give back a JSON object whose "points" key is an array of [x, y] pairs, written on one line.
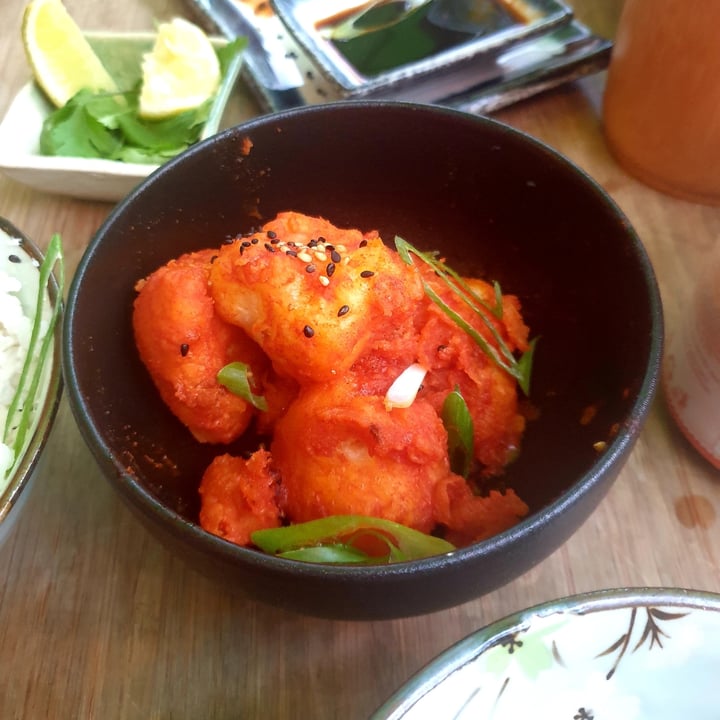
{"points": [[662, 100]]}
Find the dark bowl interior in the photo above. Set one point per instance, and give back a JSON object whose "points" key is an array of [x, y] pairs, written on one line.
{"points": [[499, 205]]}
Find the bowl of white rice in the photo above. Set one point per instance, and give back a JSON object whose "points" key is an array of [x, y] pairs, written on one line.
{"points": [[30, 364]]}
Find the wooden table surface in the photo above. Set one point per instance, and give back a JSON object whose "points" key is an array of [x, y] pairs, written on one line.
{"points": [[97, 620]]}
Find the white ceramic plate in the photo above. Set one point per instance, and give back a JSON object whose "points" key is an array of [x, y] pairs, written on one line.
{"points": [[636, 654], [88, 178], [476, 33]]}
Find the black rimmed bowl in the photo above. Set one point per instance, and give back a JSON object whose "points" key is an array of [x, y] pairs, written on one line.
{"points": [[498, 204]]}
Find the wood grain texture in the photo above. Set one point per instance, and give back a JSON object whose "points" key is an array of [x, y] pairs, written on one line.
{"points": [[98, 621]]}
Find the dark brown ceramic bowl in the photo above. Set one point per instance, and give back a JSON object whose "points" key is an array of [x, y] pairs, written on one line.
{"points": [[496, 203]]}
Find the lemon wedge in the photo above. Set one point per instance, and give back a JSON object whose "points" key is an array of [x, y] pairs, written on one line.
{"points": [[180, 73], [61, 59]]}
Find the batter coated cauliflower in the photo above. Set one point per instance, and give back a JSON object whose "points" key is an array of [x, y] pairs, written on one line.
{"points": [[326, 319]]}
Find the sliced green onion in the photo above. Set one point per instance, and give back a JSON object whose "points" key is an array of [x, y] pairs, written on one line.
{"points": [[38, 349], [236, 378], [498, 311], [338, 553], [524, 366], [405, 387], [459, 425], [337, 535], [520, 369]]}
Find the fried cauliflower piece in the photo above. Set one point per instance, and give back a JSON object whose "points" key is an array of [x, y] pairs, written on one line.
{"points": [[239, 497], [313, 296], [469, 518], [454, 360], [340, 453], [183, 344]]}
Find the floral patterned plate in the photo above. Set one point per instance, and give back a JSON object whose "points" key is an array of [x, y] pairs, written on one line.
{"points": [[632, 654]]}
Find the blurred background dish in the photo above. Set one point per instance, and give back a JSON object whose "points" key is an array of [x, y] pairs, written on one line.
{"points": [[627, 653], [491, 199], [392, 48], [15, 482], [506, 66]]}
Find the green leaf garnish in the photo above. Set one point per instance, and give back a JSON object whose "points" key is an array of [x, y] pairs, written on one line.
{"points": [[162, 135], [40, 345], [74, 130], [103, 125], [502, 356], [236, 378], [459, 426], [108, 125], [338, 539]]}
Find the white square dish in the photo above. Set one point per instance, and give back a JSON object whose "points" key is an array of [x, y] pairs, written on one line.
{"points": [[443, 41], [88, 178]]}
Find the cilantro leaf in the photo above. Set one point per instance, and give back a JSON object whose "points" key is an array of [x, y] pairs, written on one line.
{"points": [[160, 135], [108, 125]]}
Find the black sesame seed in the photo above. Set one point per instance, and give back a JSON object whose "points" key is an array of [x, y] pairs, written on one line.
{"points": [[330, 269], [366, 273], [313, 243], [269, 247], [184, 348], [310, 268], [363, 243], [321, 239], [254, 241], [14, 259], [291, 253], [271, 234], [213, 259], [308, 332], [245, 243], [229, 240], [344, 310], [335, 256]]}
